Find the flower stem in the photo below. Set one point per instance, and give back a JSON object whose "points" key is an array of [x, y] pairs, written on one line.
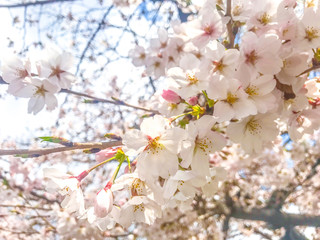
{"points": [[98, 165]]}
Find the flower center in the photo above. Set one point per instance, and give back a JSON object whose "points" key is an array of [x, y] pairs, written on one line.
{"points": [[153, 145], [231, 98], [139, 207], [253, 127], [142, 56], [264, 19], [192, 79], [311, 33], [252, 91], [137, 187], [56, 72], [208, 29], [203, 144], [218, 66], [251, 57], [22, 73], [310, 4], [40, 91]]}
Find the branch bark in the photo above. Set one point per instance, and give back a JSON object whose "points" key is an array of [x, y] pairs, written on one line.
{"points": [[276, 218], [102, 100], [45, 151]]}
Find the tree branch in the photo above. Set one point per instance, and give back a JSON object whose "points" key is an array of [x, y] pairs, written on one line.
{"points": [[96, 100], [101, 23], [276, 218], [229, 26], [27, 4], [115, 102], [309, 70], [97, 146]]}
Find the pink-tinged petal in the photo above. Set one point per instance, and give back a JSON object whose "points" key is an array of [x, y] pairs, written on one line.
{"points": [[36, 104], [48, 86], [103, 203], [51, 101], [21, 89], [135, 139]]}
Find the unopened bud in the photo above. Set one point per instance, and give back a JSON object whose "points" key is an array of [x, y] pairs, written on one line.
{"points": [[171, 96], [104, 202], [193, 100], [106, 154]]}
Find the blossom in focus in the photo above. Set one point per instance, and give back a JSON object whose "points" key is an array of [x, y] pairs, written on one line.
{"points": [[261, 52], [232, 100], [158, 145], [309, 30], [201, 142], [252, 132], [219, 60], [56, 68], [259, 89]]}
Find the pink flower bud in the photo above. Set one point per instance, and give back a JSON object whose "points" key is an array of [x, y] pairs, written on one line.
{"points": [[193, 100], [103, 203], [170, 96], [106, 154]]}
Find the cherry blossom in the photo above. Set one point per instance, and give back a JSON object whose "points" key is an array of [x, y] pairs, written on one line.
{"points": [[56, 68], [252, 132]]}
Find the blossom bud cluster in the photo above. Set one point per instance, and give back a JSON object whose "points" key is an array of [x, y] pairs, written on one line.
{"points": [[215, 98]]}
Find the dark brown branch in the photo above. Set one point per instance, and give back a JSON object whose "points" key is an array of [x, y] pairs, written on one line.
{"points": [[27, 4]]}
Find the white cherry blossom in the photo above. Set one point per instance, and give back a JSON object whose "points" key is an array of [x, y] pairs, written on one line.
{"points": [[56, 68], [232, 101], [252, 132], [261, 52]]}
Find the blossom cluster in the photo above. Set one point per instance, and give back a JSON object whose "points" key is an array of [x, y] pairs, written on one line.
{"points": [[220, 95], [39, 80]]}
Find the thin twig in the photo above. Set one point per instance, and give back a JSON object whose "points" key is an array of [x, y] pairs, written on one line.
{"points": [[115, 102], [309, 70], [101, 23]]}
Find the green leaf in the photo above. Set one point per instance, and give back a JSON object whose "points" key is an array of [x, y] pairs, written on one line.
{"points": [[59, 140]]}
